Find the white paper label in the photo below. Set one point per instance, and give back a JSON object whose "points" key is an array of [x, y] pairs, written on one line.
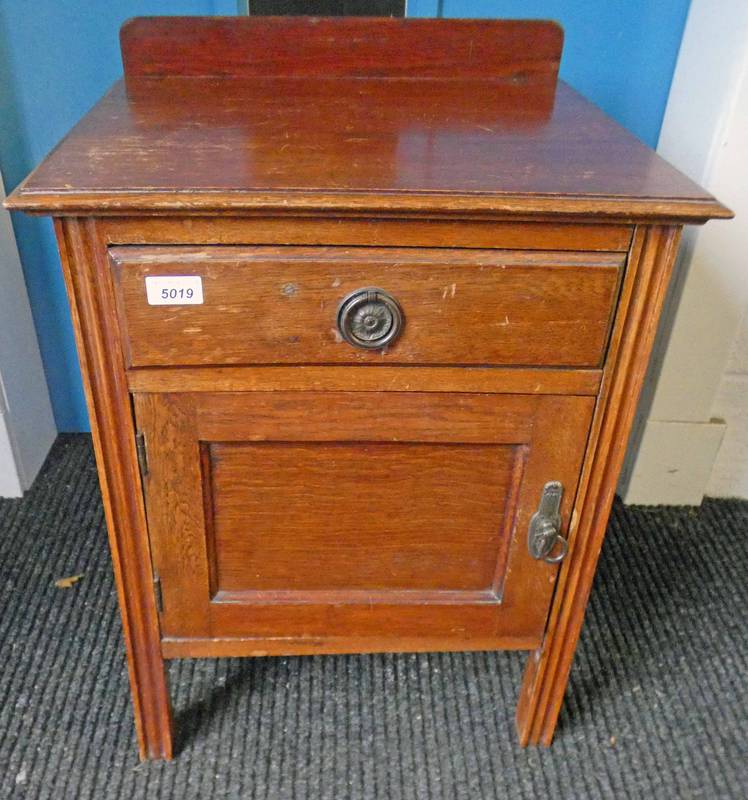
{"points": [[174, 290]]}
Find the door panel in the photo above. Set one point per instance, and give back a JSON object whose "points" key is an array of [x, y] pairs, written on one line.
{"points": [[342, 516], [279, 525]]}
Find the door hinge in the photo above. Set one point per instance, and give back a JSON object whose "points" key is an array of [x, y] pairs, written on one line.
{"points": [[157, 593], [142, 453]]}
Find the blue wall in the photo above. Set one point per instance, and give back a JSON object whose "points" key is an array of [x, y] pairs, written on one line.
{"points": [[618, 53], [58, 57]]}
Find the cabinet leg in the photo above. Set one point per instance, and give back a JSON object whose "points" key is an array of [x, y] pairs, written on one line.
{"points": [[88, 281], [650, 264], [547, 669], [543, 687], [151, 706]]}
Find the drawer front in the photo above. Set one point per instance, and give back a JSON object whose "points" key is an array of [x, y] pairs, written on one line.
{"points": [[265, 305]]}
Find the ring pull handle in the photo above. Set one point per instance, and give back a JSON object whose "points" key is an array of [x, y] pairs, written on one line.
{"points": [[561, 555], [370, 318]]}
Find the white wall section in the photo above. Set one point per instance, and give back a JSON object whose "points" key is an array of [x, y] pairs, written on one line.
{"points": [[27, 429], [692, 410]]}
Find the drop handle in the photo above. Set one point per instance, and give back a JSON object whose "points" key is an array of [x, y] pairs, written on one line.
{"points": [[544, 534]]}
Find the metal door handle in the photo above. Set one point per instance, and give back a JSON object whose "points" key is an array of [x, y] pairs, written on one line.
{"points": [[544, 534]]}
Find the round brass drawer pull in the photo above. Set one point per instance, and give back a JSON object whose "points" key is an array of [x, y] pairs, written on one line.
{"points": [[370, 318]]}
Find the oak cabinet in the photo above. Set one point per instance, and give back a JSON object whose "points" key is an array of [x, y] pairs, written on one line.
{"points": [[363, 332]]}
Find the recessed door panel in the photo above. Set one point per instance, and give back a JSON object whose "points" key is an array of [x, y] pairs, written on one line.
{"points": [[377, 518]]}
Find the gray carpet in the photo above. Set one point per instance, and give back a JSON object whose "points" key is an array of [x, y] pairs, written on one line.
{"points": [[656, 708]]}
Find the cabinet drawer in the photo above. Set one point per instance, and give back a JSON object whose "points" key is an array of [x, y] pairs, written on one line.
{"points": [[264, 305]]}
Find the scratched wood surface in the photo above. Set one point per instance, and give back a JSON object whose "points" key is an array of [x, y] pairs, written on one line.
{"points": [[280, 138], [273, 378], [279, 305], [389, 231], [317, 47]]}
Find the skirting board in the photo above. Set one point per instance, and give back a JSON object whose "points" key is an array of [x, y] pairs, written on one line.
{"points": [[11, 484], [674, 463]]}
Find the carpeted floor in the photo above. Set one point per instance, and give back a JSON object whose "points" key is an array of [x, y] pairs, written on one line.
{"points": [[657, 706]]}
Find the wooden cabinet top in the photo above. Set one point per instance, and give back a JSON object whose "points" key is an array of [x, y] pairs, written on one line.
{"points": [[353, 115]]}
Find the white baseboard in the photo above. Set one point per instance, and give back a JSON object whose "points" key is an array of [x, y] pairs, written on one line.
{"points": [[730, 472], [11, 484], [674, 462]]}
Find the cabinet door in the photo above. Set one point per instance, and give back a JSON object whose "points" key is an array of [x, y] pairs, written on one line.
{"points": [[355, 520]]}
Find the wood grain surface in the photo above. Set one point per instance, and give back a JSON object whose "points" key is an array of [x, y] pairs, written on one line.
{"points": [[317, 47], [381, 519], [547, 670], [501, 380], [282, 535], [112, 425], [389, 231], [279, 305], [298, 122]]}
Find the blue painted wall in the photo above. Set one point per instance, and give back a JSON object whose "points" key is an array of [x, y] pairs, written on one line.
{"points": [[618, 53], [57, 58]]}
